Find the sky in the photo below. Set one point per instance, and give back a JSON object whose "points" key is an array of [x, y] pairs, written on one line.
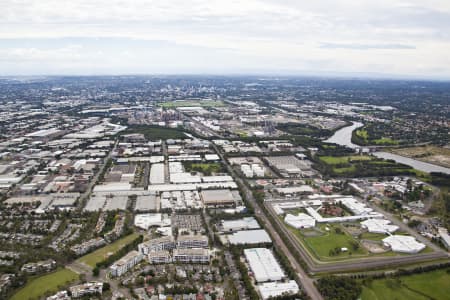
{"points": [[387, 38]]}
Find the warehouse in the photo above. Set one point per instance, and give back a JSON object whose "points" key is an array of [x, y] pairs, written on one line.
{"points": [[263, 265], [403, 244], [239, 224], [217, 197], [147, 203], [275, 289], [157, 174], [248, 237]]}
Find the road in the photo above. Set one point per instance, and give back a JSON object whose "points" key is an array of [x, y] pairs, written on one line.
{"points": [[93, 181], [305, 281]]}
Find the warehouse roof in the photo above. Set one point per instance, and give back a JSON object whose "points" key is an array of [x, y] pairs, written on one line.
{"points": [[263, 265], [249, 237]]}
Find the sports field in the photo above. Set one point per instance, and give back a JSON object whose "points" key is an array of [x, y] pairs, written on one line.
{"points": [[45, 285]]}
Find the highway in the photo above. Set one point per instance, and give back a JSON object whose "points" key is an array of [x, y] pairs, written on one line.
{"points": [[305, 281]]}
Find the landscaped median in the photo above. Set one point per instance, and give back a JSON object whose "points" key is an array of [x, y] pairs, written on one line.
{"points": [[47, 284]]}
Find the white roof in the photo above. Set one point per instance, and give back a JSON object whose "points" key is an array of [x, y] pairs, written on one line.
{"points": [[145, 221], [379, 226], [300, 221], [112, 187], [263, 265], [274, 289], [157, 174], [249, 237], [404, 244], [244, 223], [184, 178]]}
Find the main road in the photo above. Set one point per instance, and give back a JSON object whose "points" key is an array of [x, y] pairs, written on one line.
{"points": [[305, 281]]}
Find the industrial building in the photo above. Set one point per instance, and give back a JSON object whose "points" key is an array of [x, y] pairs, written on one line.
{"points": [[239, 224], [248, 237], [217, 197], [275, 289], [263, 265]]}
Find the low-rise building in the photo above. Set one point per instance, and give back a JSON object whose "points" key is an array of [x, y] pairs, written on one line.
{"points": [[88, 288], [191, 255], [40, 266], [192, 241], [159, 257], [162, 243], [126, 263]]}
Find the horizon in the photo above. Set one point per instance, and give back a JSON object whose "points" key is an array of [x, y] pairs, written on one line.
{"points": [[386, 39]]}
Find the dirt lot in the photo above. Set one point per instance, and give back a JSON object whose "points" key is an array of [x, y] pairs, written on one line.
{"points": [[430, 154]]}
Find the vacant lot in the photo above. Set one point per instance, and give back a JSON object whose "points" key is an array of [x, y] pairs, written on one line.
{"points": [[430, 285], [45, 285], [431, 154], [93, 258]]}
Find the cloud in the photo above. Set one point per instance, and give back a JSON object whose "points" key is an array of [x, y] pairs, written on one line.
{"points": [[366, 46], [407, 36]]}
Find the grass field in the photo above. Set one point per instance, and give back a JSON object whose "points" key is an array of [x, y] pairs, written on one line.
{"points": [[184, 103], [321, 245], [93, 258], [46, 284], [156, 133], [431, 285], [205, 168], [336, 160]]}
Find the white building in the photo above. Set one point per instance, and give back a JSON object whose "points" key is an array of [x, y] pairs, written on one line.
{"points": [[145, 221], [240, 224], [403, 244], [248, 237], [445, 238], [88, 288], [379, 226], [300, 221], [157, 174], [162, 243], [125, 263], [263, 265], [275, 289]]}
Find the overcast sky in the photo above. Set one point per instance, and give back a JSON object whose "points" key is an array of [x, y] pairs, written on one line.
{"points": [[354, 37]]}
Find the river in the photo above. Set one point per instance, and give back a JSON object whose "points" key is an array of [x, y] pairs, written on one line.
{"points": [[344, 137]]}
